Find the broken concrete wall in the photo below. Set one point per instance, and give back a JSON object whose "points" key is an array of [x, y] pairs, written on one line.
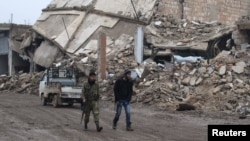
{"points": [[19, 64], [240, 37], [241, 34], [207, 10], [11, 37]]}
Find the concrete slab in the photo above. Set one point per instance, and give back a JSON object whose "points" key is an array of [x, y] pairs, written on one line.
{"points": [[69, 3], [45, 54], [91, 23], [125, 8]]}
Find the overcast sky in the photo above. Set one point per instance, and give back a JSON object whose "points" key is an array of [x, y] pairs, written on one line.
{"points": [[24, 11]]}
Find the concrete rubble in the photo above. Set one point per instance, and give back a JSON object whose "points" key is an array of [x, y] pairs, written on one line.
{"points": [[24, 83], [218, 84]]}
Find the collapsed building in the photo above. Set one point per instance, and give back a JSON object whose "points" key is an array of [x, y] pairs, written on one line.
{"points": [[11, 59], [153, 44]]}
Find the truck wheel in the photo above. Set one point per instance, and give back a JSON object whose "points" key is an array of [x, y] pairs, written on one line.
{"points": [[55, 101], [43, 100]]}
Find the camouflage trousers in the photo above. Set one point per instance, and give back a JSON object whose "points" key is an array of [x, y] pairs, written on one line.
{"points": [[93, 107]]}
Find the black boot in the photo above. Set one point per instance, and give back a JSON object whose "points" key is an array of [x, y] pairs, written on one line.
{"points": [[98, 128], [114, 124], [129, 128], [85, 126]]}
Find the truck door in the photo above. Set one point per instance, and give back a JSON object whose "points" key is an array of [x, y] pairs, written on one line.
{"points": [[42, 84]]}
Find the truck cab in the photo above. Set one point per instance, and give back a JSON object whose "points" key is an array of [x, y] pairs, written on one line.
{"points": [[58, 86]]}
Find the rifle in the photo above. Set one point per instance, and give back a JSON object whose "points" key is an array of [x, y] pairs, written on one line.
{"points": [[83, 111]]}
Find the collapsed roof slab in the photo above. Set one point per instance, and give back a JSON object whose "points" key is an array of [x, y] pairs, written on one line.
{"points": [[69, 3], [58, 22], [116, 8], [88, 27], [70, 29], [125, 7]]}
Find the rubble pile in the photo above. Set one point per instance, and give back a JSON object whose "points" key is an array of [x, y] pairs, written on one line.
{"points": [[219, 84], [170, 28], [24, 83]]}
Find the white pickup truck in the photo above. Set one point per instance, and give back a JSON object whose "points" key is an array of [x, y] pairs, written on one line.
{"points": [[58, 86]]}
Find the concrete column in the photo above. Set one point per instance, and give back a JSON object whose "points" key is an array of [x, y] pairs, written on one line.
{"points": [[102, 56], [10, 65]]}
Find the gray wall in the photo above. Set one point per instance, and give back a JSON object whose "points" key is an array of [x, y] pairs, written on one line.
{"points": [[4, 47]]}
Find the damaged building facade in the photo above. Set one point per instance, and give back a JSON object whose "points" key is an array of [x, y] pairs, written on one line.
{"points": [[224, 11], [10, 59], [154, 29], [147, 37], [74, 27]]}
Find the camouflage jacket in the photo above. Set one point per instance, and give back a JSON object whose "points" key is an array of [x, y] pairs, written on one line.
{"points": [[90, 93]]}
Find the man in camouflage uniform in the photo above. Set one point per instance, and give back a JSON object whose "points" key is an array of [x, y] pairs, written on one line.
{"points": [[90, 96]]}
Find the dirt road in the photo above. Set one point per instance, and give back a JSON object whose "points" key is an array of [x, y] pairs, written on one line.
{"points": [[22, 118]]}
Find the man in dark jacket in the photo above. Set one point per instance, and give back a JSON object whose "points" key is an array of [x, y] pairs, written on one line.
{"points": [[90, 96], [123, 91]]}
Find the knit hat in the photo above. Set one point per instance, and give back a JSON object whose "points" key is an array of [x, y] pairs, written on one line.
{"points": [[127, 72]]}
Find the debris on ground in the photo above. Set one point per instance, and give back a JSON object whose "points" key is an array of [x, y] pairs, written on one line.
{"points": [[24, 83]]}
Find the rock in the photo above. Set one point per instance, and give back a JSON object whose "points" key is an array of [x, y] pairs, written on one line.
{"points": [[186, 80], [120, 61], [198, 81], [210, 70], [241, 64], [229, 86], [238, 69], [228, 106], [148, 83], [185, 68], [176, 74], [158, 23], [148, 100], [2, 86], [239, 81], [206, 76], [193, 80], [120, 55], [202, 70], [240, 91], [193, 71], [229, 78], [216, 90], [222, 70], [134, 64], [186, 90], [171, 86]]}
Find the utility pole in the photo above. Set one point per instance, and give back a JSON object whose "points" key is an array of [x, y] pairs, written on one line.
{"points": [[102, 43]]}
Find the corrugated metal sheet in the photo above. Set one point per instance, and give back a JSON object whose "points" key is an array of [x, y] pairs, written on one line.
{"points": [[4, 48]]}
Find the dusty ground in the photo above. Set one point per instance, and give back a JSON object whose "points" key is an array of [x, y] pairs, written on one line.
{"points": [[22, 118]]}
